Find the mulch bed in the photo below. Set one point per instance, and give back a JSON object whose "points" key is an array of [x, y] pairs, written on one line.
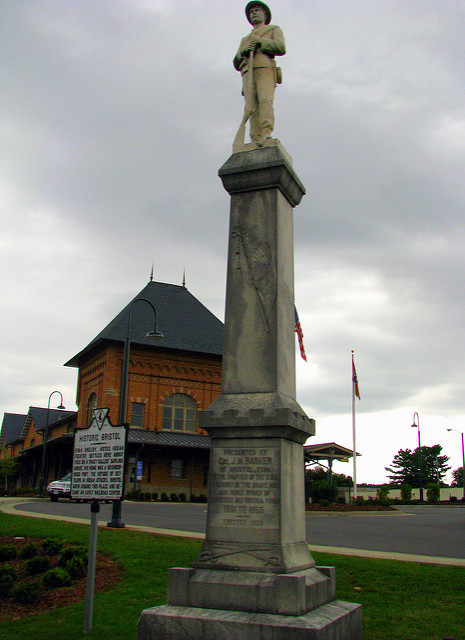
{"points": [[108, 573]]}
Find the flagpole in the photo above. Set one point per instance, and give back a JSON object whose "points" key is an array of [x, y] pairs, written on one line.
{"points": [[353, 428]]}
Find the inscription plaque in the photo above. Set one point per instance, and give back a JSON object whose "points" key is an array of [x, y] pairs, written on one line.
{"points": [[245, 482]]}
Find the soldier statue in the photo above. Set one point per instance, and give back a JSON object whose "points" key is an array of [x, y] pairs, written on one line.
{"points": [[255, 60]]}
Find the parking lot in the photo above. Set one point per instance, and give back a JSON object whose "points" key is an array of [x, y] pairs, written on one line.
{"points": [[423, 530]]}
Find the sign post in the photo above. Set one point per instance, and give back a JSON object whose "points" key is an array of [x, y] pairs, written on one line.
{"points": [[98, 475]]}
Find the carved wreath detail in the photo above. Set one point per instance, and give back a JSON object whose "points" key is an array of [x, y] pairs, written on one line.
{"points": [[261, 270]]}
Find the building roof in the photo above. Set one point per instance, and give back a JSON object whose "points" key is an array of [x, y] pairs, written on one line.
{"points": [[169, 439], [187, 325], [38, 416], [12, 426], [327, 450]]}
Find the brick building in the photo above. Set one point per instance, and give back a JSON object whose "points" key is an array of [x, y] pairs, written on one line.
{"points": [[22, 436], [170, 380]]}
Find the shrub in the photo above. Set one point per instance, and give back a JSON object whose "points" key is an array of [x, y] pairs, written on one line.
{"points": [[7, 570], [7, 552], [432, 492], [406, 492], [359, 501], [203, 498], [174, 497], [29, 550], [36, 565], [56, 578], [136, 494], [154, 495], [164, 497], [6, 585], [76, 567], [72, 552], [453, 498], [182, 497], [25, 592], [320, 490], [51, 547], [382, 495]]}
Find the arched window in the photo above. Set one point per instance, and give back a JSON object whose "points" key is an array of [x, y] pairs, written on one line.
{"points": [[91, 405], [179, 413]]}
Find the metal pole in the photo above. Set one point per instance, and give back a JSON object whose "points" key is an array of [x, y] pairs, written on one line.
{"points": [[420, 460], [463, 462], [44, 444], [116, 522], [463, 470], [354, 445], [94, 511], [419, 453]]}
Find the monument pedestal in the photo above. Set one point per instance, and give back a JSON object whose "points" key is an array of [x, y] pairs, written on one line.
{"points": [[254, 576]]}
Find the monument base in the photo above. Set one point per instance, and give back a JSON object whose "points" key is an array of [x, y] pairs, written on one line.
{"points": [[334, 621], [297, 606], [288, 594]]}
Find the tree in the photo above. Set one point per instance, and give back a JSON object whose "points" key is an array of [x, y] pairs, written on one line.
{"points": [[405, 468], [457, 477], [317, 486], [433, 492], [321, 490], [8, 467], [319, 473], [405, 492], [315, 473]]}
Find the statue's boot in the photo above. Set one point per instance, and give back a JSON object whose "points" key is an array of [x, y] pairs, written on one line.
{"points": [[263, 135]]}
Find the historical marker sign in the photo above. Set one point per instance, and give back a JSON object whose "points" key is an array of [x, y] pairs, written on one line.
{"points": [[98, 461]]}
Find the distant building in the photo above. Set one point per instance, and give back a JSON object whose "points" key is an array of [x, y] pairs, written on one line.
{"points": [[169, 381]]}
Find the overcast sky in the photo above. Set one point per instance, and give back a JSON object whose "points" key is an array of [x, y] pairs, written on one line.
{"points": [[115, 118]]}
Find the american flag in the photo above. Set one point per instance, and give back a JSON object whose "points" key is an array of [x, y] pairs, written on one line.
{"points": [[300, 335], [354, 379]]}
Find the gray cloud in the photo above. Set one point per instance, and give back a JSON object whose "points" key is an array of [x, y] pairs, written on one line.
{"points": [[116, 116]]}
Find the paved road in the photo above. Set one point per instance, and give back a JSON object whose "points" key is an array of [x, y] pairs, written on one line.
{"points": [[419, 530], [422, 530]]}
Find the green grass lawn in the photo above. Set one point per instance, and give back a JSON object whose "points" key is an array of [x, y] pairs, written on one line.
{"points": [[401, 600]]}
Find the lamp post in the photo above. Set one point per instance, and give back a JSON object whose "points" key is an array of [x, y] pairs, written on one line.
{"points": [[463, 461], [419, 452], [44, 443], [116, 521]]}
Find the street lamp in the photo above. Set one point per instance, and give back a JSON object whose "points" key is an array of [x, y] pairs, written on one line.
{"points": [[116, 522], [417, 426], [44, 443], [463, 462]]}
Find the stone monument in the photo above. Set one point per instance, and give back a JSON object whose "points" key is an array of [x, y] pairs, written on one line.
{"points": [[254, 576]]}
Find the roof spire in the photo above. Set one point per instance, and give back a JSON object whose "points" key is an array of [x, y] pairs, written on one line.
{"points": [[184, 278], [151, 274]]}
